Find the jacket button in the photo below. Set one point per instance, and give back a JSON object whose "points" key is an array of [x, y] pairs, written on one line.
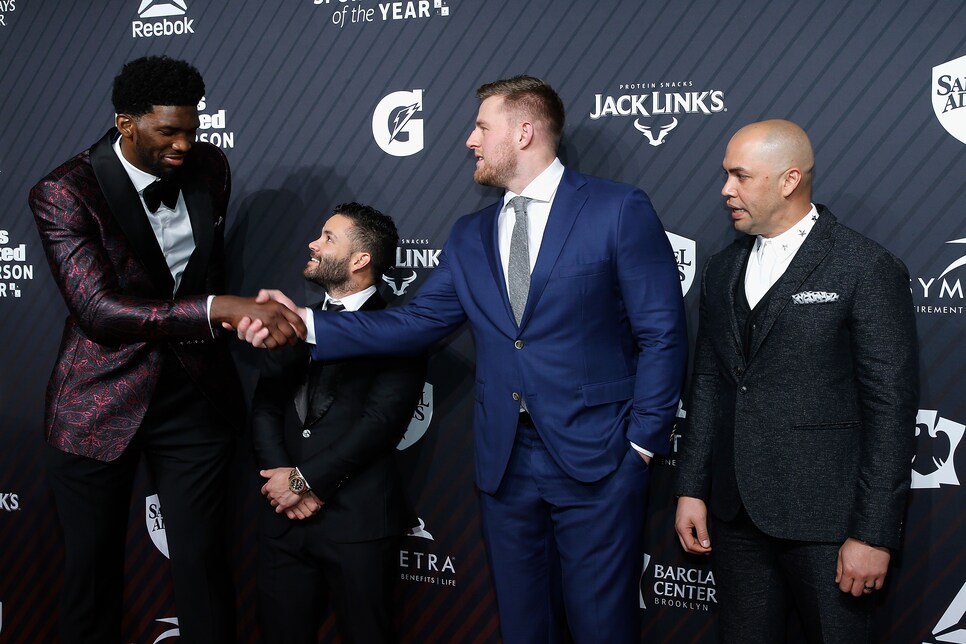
{"points": [[744, 389], [518, 344], [516, 396], [306, 433]]}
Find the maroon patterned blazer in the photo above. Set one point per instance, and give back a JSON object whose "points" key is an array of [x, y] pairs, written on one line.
{"points": [[111, 272]]}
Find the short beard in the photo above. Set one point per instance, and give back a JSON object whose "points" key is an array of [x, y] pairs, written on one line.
{"points": [[330, 274], [498, 176]]}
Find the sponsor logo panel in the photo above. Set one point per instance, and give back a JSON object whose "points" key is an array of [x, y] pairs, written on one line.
{"points": [[949, 96], [14, 267], [162, 18], [419, 564], [362, 12], [941, 294], [950, 627], [676, 586], [685, 251], [413, 258], [937, 438], [7, 7], [422, 416], [395, 128], [213, 126], [655, 108]]}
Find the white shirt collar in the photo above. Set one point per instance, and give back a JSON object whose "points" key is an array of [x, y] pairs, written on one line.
{"points": [[139, 178], [792, 239], [543, 187], [352, 302]]}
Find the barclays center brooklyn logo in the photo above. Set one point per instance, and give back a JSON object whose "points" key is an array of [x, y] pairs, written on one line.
{"points": [[395, 127], [949, 96], [657, 107]]}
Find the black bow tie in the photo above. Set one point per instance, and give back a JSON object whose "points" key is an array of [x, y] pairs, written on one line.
{"points": [[164, 189]]}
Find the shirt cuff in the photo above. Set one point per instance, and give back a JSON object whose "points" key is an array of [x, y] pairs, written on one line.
{"points": [[308, 316], [308, 486], [641, 450]]}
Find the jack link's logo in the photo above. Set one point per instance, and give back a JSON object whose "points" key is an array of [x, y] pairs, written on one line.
{"points": [[393, 127], [162, 9], [154, 521], [936, 441], [656, 112], [401, 276], [684, 252], [421, 419], [949, 96], [949, 628]]}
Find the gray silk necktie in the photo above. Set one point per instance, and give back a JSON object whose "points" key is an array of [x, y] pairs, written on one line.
{"points": [[518, 268]]}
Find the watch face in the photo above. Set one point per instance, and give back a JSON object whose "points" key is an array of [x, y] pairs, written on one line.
{"points": [[296, 484]]}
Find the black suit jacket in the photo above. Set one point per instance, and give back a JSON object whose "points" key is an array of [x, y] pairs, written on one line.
{"points": [[813, 432], [345, 447]]}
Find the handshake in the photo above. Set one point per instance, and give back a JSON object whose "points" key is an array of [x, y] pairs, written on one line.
{"points": [[270, 320]]}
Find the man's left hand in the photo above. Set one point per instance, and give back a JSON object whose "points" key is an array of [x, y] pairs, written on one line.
{"points": [[861, 568], [277, 490]]}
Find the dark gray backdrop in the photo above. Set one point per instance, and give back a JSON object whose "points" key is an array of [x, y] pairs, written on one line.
{"points": [[292, 89]]}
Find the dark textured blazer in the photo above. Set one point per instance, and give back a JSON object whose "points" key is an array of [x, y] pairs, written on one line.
{"points": [[813, 432], [122, 313], [345, 447]]}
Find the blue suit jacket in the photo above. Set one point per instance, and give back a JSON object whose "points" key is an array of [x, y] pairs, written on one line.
{"points": [[600, 353]]}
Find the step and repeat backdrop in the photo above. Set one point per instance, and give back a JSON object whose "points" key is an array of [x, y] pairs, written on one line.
{"points": [[317, 102]]}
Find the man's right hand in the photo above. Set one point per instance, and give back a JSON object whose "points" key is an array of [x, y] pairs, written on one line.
{"points": [[691, 524], [254, 331], [279, 324]]}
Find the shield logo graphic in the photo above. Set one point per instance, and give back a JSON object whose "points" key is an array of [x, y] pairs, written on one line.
{"points": [[684, 252], [154, 521], [421, 419], [948, 91]]}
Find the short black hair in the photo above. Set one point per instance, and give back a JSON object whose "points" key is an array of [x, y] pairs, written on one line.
{"points": [[156, 80], [372, 232]]}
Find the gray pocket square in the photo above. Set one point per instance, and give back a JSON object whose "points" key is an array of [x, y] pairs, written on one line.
{"points": [[815, 297]]}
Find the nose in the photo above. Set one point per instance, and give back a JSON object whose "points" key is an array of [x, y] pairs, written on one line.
{"points": [[314, 245], [182, 143], [727, 189], [471, 141]]}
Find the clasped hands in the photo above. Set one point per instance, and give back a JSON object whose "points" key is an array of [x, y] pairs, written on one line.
{"points": [[259, 332], [275, 322], [283, 499]]}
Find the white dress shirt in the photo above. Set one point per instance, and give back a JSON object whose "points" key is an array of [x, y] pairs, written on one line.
{"points": [[771, 256], [352, 302]]}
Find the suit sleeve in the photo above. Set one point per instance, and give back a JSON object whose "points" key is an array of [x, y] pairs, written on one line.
{"points": [[651, 290], [693, 472], [82, 268], [389, 406], [276, 388], [885, 354], [408, 330]]}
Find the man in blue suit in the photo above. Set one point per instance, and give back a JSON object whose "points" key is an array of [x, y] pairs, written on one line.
{"points": [[573, 297]]}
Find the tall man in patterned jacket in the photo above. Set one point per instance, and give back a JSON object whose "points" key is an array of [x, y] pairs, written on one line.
{"points": [[133, 231]]}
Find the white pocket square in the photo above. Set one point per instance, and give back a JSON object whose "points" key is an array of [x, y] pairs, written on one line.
{"points": [[815, 297]]}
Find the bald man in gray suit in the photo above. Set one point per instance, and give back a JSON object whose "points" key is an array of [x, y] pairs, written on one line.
{"points": [[802, 405]]}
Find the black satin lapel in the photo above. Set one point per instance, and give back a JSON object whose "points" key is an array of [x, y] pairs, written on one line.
{"points": [[735, 282], [201, 213], [128, 212]]}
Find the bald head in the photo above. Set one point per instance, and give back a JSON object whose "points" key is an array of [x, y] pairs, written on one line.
{"points": [[782, 145], [769, 185]]}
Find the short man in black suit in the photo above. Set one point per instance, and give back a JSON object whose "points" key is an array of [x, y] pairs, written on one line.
{"points": [[325, 434], [802, 405]]}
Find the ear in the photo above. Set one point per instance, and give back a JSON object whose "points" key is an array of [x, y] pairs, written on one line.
{"points": [[125, 125], [360, 260], [525, 134], [791, 180]]}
